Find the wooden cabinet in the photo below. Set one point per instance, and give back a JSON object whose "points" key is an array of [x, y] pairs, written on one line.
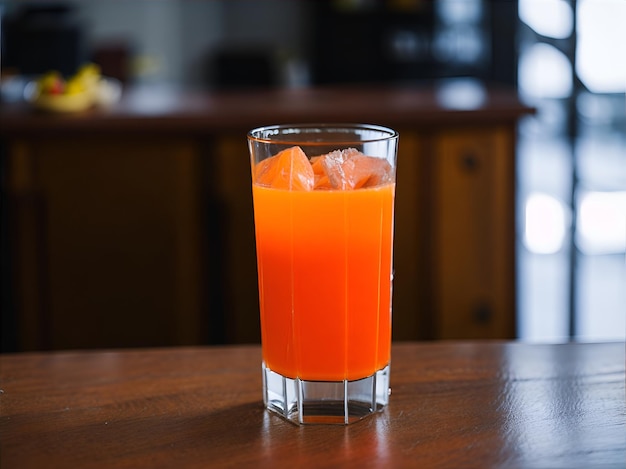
{"points": [[454, 263], [105, 242], [127, 230], [455, 233], [473, 262]]}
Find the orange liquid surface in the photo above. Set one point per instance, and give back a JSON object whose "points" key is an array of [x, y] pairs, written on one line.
{"points": [[324, 264]]}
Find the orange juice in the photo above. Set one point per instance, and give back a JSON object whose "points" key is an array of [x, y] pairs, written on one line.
{"points": [[324, 268]]}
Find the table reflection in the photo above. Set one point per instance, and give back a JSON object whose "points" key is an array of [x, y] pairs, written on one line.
{"points": [[553, 419], [366, 442]]}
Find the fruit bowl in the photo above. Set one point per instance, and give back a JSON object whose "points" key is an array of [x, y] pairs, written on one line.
{"points": [[61, 103], [86, 89]]}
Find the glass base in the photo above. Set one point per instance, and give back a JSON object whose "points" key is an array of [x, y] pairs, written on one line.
{"points": [[325, 402]]}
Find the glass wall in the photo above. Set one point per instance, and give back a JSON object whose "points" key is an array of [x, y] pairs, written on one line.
{"points": [[572, 170]]}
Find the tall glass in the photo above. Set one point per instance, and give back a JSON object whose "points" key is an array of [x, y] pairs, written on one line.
{"points": [[323, 210]]}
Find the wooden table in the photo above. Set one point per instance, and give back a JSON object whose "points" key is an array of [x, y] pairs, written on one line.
{"points": [[454, 404]]}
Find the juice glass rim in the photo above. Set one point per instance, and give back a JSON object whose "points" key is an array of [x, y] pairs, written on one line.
{"points": [[276, 134]]}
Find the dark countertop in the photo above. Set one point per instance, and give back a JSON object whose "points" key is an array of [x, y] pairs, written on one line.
{"points": [[165, 109]]}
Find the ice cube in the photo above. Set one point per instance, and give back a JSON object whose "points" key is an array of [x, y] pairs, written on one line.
{"points": [[366, 171], [349, 169], [289, 169], [321, 180]]}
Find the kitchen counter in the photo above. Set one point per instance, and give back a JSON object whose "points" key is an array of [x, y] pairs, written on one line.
{"points": [[142, 213]]}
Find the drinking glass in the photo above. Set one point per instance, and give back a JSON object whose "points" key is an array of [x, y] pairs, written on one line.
{"points": [[323, 198]]}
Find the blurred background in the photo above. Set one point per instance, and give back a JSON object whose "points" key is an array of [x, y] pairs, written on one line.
{"points": [[565, 58]]}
